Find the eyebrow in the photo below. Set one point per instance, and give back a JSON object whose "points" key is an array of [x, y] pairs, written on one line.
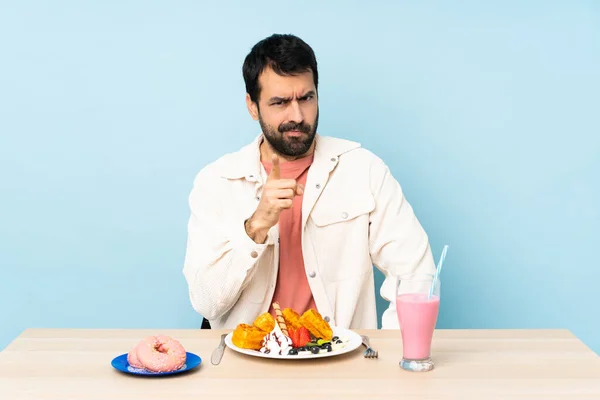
{"points": [[309, 93], [286, 99], [279, 99]]}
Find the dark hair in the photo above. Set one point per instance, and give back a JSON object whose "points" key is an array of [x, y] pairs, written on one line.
{"points": [[285, 54]]}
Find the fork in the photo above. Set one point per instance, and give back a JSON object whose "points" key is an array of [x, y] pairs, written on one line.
{"points": [[369, 353]]}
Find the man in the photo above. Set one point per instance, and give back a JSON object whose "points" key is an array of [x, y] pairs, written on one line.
{"points": [[296, 217]]}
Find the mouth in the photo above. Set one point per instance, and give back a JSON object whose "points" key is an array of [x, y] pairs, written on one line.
{"points": [[294, 133]]}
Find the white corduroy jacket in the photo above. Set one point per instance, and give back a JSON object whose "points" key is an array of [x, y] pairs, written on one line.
{"points": [[354, 216]]}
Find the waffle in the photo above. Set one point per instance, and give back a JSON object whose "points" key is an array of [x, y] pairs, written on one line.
{"points": [[316, 325], [292, 319], [248, 337], [265, 322]]}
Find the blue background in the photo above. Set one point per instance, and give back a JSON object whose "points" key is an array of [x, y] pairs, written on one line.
{"points": [[488, 115]]}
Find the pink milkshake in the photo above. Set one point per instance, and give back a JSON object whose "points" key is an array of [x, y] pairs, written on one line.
{"points": [[417, 316], [418, 305]]}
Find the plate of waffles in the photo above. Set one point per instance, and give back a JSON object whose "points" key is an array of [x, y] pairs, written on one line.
{"points": [[291, 336]]}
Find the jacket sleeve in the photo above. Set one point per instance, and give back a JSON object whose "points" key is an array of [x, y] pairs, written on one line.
{"points": [[220, 256], [398, 242]]}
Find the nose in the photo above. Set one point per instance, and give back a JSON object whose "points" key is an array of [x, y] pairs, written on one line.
{"points": [[295, 112]]}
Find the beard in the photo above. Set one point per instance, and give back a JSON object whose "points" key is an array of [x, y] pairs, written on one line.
{"points": [[286, 145]]}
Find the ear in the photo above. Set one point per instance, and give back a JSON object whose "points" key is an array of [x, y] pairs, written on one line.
{"points": [[252, 107]]}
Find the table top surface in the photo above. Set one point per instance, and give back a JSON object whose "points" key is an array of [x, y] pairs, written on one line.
{"points": [[478, 364]]}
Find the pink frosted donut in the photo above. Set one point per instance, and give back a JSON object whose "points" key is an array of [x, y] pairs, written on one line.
{"points": [[132, 358], [161, 354]]}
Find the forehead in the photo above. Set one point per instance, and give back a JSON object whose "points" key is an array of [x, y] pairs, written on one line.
{"points": [[273, 84]]}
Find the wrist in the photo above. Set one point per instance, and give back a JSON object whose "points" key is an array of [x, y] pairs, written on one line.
{"points": [[256, 230]]}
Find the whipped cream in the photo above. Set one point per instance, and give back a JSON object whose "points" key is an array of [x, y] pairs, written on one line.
{"points": [[276, 342]]}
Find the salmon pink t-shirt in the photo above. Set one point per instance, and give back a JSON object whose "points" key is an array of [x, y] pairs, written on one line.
{"points": [[292, 289]]}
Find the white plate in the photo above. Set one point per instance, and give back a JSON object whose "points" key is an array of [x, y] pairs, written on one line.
{"points": [[353, 342]]}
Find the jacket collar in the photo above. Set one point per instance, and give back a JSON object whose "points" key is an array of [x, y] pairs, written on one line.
{"points": [[246, 161]]}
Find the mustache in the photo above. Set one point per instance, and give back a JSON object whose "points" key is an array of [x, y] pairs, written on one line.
{"points": [[293, 126]]}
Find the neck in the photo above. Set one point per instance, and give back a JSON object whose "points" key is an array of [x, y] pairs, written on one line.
{"points": [[267, 151]]}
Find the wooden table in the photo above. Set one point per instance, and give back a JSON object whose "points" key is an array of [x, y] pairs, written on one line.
{"points": [[470, 364]]}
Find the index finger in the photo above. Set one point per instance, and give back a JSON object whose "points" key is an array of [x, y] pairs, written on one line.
{"points": [[275, 171]]}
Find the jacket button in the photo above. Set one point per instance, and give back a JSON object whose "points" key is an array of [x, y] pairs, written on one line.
{"points": [[344, 215], [326, 319], [312, 274], [254, 254], [318, 186], [333, 159]]}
